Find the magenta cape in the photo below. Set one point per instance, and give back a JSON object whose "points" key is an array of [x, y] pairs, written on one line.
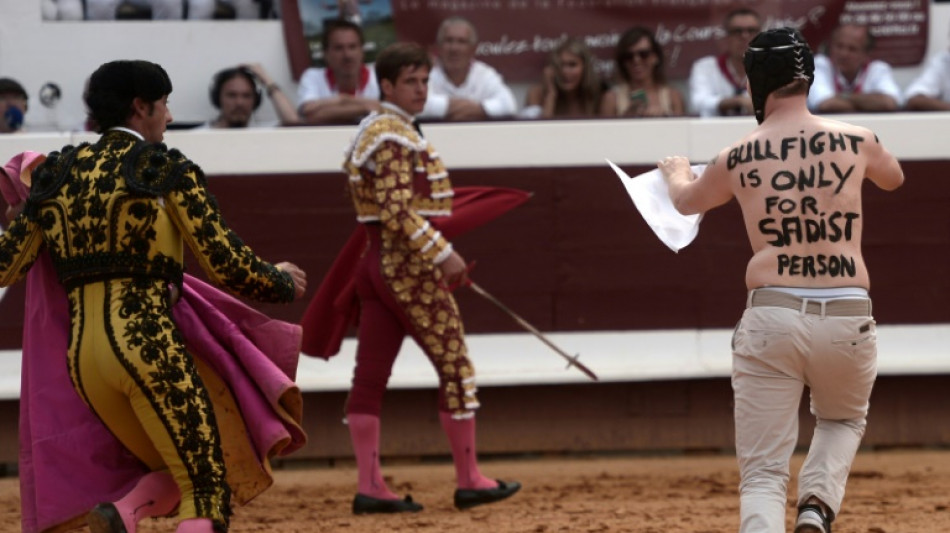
{"points": [[335, 306], [69, 461]]}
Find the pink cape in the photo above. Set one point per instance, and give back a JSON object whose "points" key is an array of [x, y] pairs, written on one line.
{"points": [[69, 461], [335, 306]]}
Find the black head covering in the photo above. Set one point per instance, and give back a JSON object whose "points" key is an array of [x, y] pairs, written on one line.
{"points": [[774, 59]]}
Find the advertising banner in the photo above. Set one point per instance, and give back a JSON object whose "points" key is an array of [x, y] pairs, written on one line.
{"points": [[517, 36]]}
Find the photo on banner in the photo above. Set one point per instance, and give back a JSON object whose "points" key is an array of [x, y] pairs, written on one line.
{"points": [[375, 17], [516, 36]]}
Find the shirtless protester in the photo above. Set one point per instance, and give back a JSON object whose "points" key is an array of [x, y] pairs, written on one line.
{"points": [[797, 178]]}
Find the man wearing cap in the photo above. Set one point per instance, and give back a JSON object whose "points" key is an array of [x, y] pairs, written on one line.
{"points": [[797, 178]]}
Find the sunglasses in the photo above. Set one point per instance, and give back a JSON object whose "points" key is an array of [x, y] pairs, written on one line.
{"points": [[743, 31], [642, 54]]}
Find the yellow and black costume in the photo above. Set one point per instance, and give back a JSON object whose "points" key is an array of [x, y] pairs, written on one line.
{"points": [[114, 216], [398, 182]]}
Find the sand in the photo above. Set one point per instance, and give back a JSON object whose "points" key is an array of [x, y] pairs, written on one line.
{"points": [[906, 491]]}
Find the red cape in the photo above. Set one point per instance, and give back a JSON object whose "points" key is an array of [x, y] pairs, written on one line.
{"points": [[335, 306]]}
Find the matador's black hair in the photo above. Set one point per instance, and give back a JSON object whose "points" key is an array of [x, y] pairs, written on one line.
{"points": [[774, 59]]}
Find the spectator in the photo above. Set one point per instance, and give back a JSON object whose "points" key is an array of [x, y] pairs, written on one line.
{"points": [[13, 105], [642, 90], [236, 93], [571, 86], [717, 84], [847, 80], [461, 87], [931, 90], [143, 9], [62, 9], [346, 90]]}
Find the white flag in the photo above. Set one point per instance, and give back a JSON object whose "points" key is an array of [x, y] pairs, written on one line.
{"points": [[651, 196]]}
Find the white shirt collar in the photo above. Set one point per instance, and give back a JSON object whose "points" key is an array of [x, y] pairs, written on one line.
{"points": [[398, 110], [127, 130]]}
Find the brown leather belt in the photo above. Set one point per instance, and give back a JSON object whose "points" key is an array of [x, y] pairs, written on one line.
{"points": [[821, 307]]}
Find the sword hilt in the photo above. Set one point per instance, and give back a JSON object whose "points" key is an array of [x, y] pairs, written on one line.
{"points": [[572, 361]]}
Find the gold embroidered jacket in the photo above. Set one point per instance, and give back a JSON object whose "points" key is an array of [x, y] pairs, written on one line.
{"points": [[398, 180], [122, 207]]}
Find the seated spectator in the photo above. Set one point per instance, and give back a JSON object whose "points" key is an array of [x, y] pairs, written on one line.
{"points": [[461, 87], [717, 84], [63, 9], [571, 87], [847, 80], [236, 92], [931, 90], [346, 90], [149, 9], [13, 105], [642, 90]]}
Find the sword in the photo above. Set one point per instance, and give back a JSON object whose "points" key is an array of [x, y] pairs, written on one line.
{"points": [[571, 361]]}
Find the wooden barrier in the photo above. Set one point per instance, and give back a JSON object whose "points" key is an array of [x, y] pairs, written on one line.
{"points": [[578, 259]]}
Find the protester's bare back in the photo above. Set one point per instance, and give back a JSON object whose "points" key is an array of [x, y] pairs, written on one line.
{"points": [[798, 181]]}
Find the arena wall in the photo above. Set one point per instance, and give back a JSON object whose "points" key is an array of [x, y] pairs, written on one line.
{"points": [[578, 262]]}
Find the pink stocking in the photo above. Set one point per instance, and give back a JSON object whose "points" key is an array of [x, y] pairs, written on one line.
{"points": [[156, 494], [461, 434], [195, 525], [364, 432]]}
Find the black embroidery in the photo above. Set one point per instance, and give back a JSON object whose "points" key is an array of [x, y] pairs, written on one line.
{"points": [[100, 210], [151, 350]]}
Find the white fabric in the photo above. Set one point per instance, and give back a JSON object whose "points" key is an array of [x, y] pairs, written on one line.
{"points": [[776, 353], [651, 196], [483, 84], [879, 78], [707, 86], [315, 86], [934, 81]]}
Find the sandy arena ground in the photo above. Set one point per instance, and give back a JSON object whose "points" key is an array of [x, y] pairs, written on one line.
{"points": [[889, 492]]}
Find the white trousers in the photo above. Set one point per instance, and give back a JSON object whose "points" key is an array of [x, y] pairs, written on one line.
{"points": [[776, 353]]}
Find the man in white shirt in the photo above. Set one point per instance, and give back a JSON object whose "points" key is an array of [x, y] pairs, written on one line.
{"points": [[461, 87], [931, 90], [847, 80], [717, 83], [346, 90]]}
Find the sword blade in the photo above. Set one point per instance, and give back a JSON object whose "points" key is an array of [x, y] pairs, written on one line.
{"points": [[571, 361]]}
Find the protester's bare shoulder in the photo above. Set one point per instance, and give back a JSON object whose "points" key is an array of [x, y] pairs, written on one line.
{"points": [[830, 124]]}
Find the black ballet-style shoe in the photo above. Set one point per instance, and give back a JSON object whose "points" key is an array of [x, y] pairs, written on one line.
{"points": [[468, 498], [104, 518], [363, 504]]}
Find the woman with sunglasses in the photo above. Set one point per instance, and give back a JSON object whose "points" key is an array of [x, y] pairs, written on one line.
{"points": [[642, 89]]}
